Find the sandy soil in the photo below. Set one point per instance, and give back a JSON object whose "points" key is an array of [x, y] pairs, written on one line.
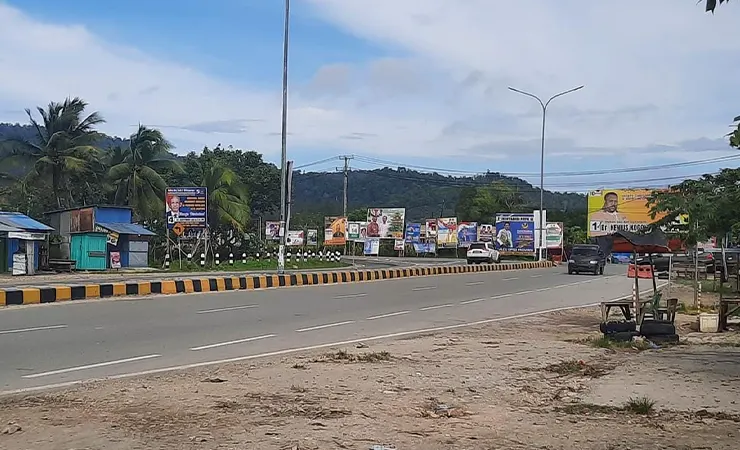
{"points": [[529, 384]]}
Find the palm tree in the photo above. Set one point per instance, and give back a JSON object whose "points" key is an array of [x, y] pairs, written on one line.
{"points": [[136, 172], [228, 198], [63, 144], [711, 5]]}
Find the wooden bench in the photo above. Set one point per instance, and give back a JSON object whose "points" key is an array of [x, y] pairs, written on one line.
{"points": [[62, 265]]}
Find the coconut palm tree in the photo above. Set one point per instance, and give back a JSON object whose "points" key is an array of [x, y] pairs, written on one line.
{"points": [[228, 197], [63, 145], [136, 172]]}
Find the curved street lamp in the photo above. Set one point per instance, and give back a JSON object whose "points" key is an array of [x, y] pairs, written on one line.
{"points": [[544, 106]]}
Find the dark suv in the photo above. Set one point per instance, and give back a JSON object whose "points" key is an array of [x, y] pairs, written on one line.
{"points": [[587, 258]]}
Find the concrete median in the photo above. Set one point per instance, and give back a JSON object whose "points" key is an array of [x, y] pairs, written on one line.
{"points": [[52, 294]]}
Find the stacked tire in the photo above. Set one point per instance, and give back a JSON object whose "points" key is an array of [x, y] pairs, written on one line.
{"points": [[659, 331], [619, 331]]}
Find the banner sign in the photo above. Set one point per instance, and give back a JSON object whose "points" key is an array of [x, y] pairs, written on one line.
{"points": [[413, 232], [186, 208], [335, 230], [467, 233], [386, 223], [353, 231], [272, 230], [486, 232], [515, 234], [294, 238], [424, 247], [554, 234], [447, 232], [312, 238], [372, 246]]}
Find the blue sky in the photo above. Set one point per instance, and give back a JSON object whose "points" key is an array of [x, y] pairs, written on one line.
{"points": [[419, 82]]}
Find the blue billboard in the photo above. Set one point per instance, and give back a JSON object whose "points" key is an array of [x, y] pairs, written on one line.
{"points": [[186, 208], [467, 233], [515, 234], [413, 232]]}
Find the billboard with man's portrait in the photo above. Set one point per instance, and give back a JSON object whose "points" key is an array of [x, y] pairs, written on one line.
{"points": [[386, 223], [186, 208], [611, 210]]}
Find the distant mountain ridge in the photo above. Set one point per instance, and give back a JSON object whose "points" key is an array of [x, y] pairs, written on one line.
{"points": [[423, 194]]}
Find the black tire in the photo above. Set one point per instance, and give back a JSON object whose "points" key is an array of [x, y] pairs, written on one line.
{"points": [[570, 272], [623, 336], [470, 262], [657, 328], [665, 339], [617, 327], [596, 271]]}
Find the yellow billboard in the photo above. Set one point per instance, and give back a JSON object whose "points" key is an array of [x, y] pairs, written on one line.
{"points": [[611, 210]]}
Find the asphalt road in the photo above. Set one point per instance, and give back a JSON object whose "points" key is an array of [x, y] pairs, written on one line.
{"points": [[8, 282], [57, 344]]}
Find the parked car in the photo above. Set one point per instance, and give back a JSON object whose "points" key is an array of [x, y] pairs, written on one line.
{"points": [[587, 258], [661, 261], [483, 252]]}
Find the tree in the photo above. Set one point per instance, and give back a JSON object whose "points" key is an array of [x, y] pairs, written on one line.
{"points": [[136, 172], [228, 197], [480, 204], [711, 5], [63, 144]]}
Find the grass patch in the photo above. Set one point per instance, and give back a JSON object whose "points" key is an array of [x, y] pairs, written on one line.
{"points": [[640, 405], [576, 367], [345, 356], [690, 310]]}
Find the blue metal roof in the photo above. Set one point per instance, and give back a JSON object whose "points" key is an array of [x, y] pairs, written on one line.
{"points": [[23, 222], [126, 228]]}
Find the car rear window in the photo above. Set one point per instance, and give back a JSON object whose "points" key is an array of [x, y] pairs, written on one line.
{"points": [[477, 246], [585, 251]]}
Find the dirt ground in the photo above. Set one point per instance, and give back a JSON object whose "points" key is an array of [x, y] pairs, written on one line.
{"points": [[537, 383]]}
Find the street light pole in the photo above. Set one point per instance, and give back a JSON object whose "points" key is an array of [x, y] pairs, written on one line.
{"points": [[544, 106], [284, 151]]}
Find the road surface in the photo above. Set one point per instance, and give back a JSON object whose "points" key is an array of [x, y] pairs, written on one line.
{"points": [[8, 282], [57, 344]]}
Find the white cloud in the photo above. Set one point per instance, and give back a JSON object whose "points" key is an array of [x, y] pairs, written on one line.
{"points": [[653, 73]]}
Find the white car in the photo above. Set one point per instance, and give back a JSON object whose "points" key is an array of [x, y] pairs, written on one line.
{"points": [[483, 252]]}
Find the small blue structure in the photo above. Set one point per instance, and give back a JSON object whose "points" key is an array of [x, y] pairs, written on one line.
{"points": [[20, 237], [83, 229]]}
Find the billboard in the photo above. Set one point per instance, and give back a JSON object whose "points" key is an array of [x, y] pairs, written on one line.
{"points": [[335, 230], [272, 230], [554, 234], [413, 232], [467, 232], [515, 234], [485, 232], [312, 237], [431, 228], [372, 246], [294, 238], [611, 210], [386, 223], [447, 232], [424, 247], [186, 208], [356, 231]]}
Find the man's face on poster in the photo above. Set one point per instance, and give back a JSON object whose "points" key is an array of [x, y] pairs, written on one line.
{"points": [[175, 203], [611, 201]]}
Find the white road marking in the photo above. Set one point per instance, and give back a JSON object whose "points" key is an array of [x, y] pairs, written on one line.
{"points": [[535, 276], [474, 283], [24, 330], [510, 279], [475, 300], [383, 316], [289, 351], [238, 341], [91, 366], [429, 308], [543, 289], [424, 288], [230, 308], [523, 292], [499, 296], [350, 295], [328, 325]]}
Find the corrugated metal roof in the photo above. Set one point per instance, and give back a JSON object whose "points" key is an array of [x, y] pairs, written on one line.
{"points": [[126, 228], [5, 229], [22, 221]]}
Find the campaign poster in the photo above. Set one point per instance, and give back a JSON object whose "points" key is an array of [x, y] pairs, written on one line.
{"points": [[295, 238], [353, 231], [186, 208], [515, 234], [447, 232], [413, 232], [431, 228], [335, 230], [486, 232], [386, 223], [422, 248], [272, 230], [467, 233], [372, 246], [312, 238]]}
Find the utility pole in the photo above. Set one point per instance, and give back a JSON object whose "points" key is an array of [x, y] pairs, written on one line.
{"points": [[284, 154], [345, 170]]}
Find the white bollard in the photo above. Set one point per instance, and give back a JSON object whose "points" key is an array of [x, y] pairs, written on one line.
{"points": [[167, 261], [217, 259], [202, 260], [231, 259], [244, 258], [289, 257], [304, 257]]}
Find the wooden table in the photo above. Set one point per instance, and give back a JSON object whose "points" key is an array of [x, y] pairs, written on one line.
{"points": [[626, 306]]}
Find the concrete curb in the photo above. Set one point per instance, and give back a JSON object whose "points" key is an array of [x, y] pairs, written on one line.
{"points": [[51, 294]]}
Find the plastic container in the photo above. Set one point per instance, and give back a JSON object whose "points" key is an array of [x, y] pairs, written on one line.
{"points": [[708, 322]]}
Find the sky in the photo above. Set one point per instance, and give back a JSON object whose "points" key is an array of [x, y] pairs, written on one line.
{"points": [[420, 83]]}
